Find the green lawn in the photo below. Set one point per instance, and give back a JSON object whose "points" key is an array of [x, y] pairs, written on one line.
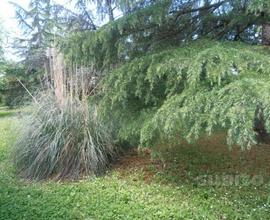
{"points": [[4, 112], [137, 188]]}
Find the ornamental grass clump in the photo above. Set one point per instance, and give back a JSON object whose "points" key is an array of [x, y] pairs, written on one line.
{"points": [[63, 136]]}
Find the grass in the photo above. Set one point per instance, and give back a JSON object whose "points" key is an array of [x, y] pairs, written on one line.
{"points": [[138, 188], [5, 112], [64, 141]]}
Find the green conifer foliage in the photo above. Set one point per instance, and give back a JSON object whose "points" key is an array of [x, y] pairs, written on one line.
{"points": [[159, 25], [190, 91], [119, 41], [164, 81]]}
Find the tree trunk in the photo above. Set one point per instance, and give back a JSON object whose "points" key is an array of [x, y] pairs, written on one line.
{"points": [[110, 10], [259, 126], [128, 8], [266, 34]]}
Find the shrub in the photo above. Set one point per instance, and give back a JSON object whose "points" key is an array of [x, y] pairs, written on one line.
{"points": [[63, 136], [62, 142]]}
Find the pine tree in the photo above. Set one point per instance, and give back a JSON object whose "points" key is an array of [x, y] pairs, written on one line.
{"points": [[164, 80], [157, 94], [37, 26], [190, 91]]}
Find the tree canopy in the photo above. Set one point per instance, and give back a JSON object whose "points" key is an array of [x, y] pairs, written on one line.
{"points": [[157, 25], [173, 68], [37, 26], [191, 91]]}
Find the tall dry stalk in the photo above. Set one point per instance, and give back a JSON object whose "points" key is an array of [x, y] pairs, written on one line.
{"points": [[69, 82], [63, 137]]}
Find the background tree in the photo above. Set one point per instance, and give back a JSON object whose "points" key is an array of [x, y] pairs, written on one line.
{"points": [[37, 25], [2, 65], [17, 82], [103, 7]]}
